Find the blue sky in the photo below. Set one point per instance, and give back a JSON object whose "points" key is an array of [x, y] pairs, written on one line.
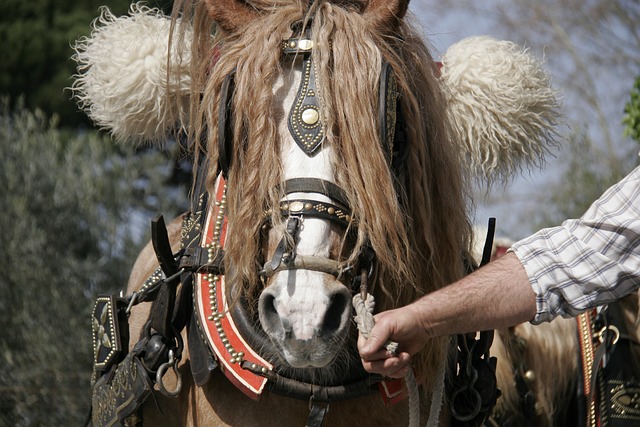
{"points": [[511, 204]]}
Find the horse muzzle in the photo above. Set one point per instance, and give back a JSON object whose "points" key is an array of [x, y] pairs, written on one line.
{"points": [[306, 314]]}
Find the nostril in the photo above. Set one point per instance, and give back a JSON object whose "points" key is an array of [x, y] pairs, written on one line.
{"points": [[268, 312], [267, 303], [336, 312]]}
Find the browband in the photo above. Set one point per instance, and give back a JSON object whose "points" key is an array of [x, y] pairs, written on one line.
{"points": [[316, 185]]}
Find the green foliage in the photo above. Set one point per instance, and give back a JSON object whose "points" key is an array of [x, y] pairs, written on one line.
{"points": [[35, 41], [68, 203], [631, 119]]}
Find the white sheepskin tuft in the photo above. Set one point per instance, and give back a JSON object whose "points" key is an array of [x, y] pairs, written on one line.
{"points": [[122, 75], [503, 106]]}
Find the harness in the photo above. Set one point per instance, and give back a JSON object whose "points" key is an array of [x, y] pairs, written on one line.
{"points": [[609, 386], [123, 382], [189, 290]]}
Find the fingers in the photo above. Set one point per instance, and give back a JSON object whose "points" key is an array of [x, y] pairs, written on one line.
{"points": [[390, 366], [372, 347], [372, 352], [378, 360]]}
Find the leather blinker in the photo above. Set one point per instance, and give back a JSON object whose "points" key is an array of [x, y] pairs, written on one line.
{"points": [[225, 132]]}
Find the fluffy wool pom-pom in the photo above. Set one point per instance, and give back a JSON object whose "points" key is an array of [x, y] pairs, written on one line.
{"points": [[122, 75], [502, 104]]}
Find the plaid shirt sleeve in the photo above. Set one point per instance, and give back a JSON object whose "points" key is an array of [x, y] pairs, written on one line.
{"points": [[589, 261]]}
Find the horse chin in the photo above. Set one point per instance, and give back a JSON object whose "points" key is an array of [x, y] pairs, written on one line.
{"points": [[305, 361], [308, 354]]}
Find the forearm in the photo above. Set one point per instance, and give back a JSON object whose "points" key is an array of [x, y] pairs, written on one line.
{"points": [[495, 296]]}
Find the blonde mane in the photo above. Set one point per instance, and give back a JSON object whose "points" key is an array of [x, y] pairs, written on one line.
{"points": [[420, 246]]}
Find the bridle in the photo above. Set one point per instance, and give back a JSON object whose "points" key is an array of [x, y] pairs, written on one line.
{"points": [[336, 212], [306, 128]]}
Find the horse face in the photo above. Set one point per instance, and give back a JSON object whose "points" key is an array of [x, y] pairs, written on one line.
{"points": [[306, 313], [304, 309]]}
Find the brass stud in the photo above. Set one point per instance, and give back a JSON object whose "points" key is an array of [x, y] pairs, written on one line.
{"points": [[530, 376], [296, 206], [310, 116], [305, 44], [308, 206], [331, 211]]}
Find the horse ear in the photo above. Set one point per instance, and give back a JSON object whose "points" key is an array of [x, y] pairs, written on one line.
{"points": [[387, 12], [231, 15]]}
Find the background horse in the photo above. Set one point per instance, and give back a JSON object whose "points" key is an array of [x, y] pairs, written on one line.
{"points": [[537, 368], [539, 371]]}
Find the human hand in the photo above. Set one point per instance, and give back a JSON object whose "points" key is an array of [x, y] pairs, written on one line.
{"points": [[401, 325]]}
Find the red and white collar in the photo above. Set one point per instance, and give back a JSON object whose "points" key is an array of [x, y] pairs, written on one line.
{"points": [[217, 325]]}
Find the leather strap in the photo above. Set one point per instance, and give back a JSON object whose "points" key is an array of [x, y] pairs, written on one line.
{"points": [[488, 244], [316, 185], [585, 341], [162, 246], [297, 45], [315, 209], [225, 127], [306, 391], [162, 309], [317, 414], [163, 306], [387, 109], [283, 246], [200, 358], [119, 395], [392, 129], [197, 258]]}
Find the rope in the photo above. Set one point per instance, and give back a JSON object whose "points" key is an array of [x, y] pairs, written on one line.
{"points": [[436, 398], [365, 322]]}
